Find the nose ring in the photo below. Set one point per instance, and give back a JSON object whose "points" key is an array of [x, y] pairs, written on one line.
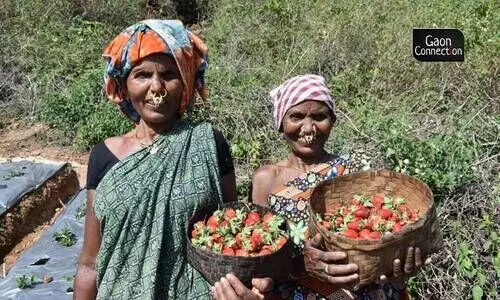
{"points": [[158, 99]]}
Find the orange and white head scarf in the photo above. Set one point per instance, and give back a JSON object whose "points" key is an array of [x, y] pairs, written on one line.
{"points": [[150, 37]]}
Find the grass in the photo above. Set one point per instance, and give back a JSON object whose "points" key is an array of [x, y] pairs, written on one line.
{"points": [[436, 121]]}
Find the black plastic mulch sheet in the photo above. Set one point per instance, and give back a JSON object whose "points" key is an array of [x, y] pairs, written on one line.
{"points": [[21, 177], [61, 263]]}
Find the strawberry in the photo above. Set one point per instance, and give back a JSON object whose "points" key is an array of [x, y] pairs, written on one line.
{"points": [[352, 234], [327, 225], [280, 242], [229, 214], [345, 211], [397, 227], [385, 213], [403, 208], [265, 251], [239, 239], [252, 218], [364, 234], [213, 223], [230, 242], [354, 225], [377, 201], [228, 251], [199, 224], [194, 233], [362, 212], [241, 252], [256, 239], [375, 235], [414, 216], [267, 217], [223, 228]]}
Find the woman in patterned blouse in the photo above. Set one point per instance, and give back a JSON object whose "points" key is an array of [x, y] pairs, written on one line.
{"points": [[305, 112]]}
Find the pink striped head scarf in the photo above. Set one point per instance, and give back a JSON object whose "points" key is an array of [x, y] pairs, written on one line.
{"points": [[297, 90]]}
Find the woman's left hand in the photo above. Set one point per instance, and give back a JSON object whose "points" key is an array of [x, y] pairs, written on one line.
{"points": [[413, 263], [231, 288]]}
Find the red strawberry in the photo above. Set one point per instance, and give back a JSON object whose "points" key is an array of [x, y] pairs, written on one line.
{"points": [[213, 223], [241, 252], [224, 228], [377, 201], [364, 234], [345, 211], [375, 235], [354, 225], [265, 251], [252, 218], [239, 239], [385, 213], [199, 224], [280, 242], [397, 227], [267, 217], [326, 225], [229, 214], [256, 239], [228, 251], [352, 234], [403, 208], [362, 212], [194, 233]]}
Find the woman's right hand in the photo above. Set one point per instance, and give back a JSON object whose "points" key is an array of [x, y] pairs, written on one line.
{"points": [[328, 266]]}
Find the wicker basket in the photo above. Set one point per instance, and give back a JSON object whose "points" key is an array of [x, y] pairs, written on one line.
{"points": [[213, 266], [375, 257]]}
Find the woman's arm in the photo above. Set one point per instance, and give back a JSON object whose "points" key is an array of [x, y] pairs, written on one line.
{"points": [[85, 281], [262, 183]]}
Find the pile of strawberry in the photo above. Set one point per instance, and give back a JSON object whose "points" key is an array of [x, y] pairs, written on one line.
{"points": [[369, 217], [240, 232]]}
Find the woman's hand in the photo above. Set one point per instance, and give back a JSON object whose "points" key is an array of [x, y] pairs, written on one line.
{"points": [[231, 288], [328, 266], [413, 263]]}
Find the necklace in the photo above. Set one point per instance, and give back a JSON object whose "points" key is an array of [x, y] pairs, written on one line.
{"points": [[154, 148]]}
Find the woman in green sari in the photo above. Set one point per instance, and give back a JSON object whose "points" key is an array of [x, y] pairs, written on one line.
{"points": [[143, 186]]}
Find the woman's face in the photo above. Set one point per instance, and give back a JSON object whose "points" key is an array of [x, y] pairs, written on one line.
{"points": [[307, 126], [154, 75]]}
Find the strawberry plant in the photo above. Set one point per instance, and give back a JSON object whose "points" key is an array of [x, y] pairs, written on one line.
{"points": [[65, 237], [25, 281], [81, 211], [367, 217], [240, 232]]}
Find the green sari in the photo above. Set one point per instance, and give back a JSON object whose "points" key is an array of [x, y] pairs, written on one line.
{"points": [[144, 203]]}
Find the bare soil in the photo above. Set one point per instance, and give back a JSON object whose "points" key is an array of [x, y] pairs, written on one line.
{"points": [[19, 141], [22, 225]]}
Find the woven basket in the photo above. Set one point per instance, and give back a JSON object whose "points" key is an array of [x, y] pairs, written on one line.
{"points": [[213, 266], [375, 257]]}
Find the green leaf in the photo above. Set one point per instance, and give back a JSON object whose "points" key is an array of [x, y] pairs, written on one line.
{"points": [[487, 245], [477, 293]]}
